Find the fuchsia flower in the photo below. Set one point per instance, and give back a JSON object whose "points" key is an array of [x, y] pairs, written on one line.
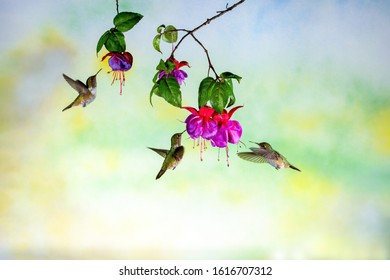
{"points": [[120, 62], [180, 75], [210, 125], [229, 131], [200, 123]]}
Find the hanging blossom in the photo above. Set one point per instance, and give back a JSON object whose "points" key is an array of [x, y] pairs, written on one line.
{"points": [[200, 124], [229, 131], [218, 128], [120, 62], [179, 74]]}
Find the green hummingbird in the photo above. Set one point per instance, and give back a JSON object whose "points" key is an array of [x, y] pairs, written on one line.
{"points": [[265, 153], [172, 156], [87, 92]]}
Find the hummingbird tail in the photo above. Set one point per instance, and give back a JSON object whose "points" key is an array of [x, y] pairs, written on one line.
{"points": [[160, 173], [295, 168]]}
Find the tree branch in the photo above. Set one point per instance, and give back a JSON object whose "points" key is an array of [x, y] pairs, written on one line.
{"points": [[220, 13]]}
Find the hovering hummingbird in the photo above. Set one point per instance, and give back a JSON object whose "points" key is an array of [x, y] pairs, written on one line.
{"points": [[172, 156], [265, 153], [87, 92]]}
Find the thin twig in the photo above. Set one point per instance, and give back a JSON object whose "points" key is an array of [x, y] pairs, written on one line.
{"points": [[207, 55], [117, 6], [220, 13], [191, 32]]}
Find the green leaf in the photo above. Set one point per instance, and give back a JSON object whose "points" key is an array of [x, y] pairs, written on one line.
{"points": [[166, 66], [232, 98], [102, 41], [169, 89], [160, 28], [229, 75], [153, 91], [170, 66], [115, 41], [170, 34], [125, 21], [219, 96], [205, 87], [161, 66], [156, 42], [155, 77]]}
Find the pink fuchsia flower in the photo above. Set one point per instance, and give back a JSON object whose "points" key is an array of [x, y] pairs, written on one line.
{"points": [[179, 74], [229, 131], [200, 124], [120, 62]]}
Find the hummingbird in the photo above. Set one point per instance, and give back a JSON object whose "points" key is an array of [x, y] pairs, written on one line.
{"points": [[172, 156], [265, 153], [87, 92]]}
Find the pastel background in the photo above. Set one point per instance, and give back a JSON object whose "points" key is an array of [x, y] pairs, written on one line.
{"points": [[81, 184]]}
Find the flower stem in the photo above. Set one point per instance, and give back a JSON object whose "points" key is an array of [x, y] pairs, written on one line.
{"points": [[207, 55]]}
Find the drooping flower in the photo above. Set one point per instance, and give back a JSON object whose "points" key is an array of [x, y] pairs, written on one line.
{"points": [[179, 74], [229, 131], [206, 123], [200, 124], [120, 62]]}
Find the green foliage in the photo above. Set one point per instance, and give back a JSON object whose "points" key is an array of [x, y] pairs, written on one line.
{"points": [[125, 21], [219, 92], [156, 42], [205, 89], [169, 89], [229, 75], [219, 95], [160, 28], [102, 41], [166, 66], [168, 34], [114, 39], [166, 87]]}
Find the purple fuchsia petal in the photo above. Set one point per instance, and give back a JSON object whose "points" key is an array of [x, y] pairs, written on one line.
{"points": [[180, 75], [200, 123], [194, 126], [234, 130], [161, 74], [200, 127], [230, 132], [209, 128], [118, 63], [220, 139]]}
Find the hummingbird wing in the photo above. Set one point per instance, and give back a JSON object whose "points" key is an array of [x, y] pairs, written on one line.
{"points": [[179, 153], [161, 152], [78, 85], [268, 154], [253, 157]]}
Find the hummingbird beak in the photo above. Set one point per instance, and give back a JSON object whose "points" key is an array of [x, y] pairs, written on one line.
{"points": [[255, 143], [98, 71], [183, 131]]}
